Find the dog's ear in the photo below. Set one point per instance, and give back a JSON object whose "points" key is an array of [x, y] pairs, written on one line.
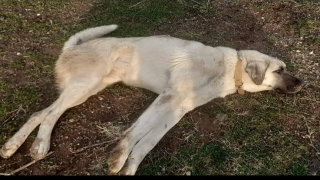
{"points": [[257, 71]]}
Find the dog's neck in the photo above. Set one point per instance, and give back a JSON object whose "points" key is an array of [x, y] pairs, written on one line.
{"points": [[238, 76]]}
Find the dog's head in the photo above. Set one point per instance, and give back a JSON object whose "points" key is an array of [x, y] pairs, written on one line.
{"points": [[263, 72]]}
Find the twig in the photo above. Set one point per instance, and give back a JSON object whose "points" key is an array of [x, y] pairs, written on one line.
{"points": [[183, 3], [208, 4], [94, 145], [17, 112], [137, 4], [4, 174], [203, 18], [295, 2], [196, 2], [309, 136], [25, 166]]}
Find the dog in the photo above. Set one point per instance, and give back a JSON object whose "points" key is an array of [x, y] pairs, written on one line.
{"points": [[186, 74]]}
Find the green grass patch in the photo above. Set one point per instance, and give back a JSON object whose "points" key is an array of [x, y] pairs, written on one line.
{"points": [[202, 160], [298, 169], [135, 18], [260, 144], [43, 65], [14, 106], [264, 5], [16, 64], [306, 26]]}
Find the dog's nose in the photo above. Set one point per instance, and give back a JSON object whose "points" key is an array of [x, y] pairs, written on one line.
{"points": [[300, 82]]}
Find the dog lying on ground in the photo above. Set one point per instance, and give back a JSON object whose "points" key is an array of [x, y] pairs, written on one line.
{"points": [[185, 74]]}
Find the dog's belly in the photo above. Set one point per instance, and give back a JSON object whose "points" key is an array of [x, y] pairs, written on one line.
{"points": [[148, 78]]}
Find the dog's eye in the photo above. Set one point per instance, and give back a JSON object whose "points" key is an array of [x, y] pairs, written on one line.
{"points": [[279, 71]]}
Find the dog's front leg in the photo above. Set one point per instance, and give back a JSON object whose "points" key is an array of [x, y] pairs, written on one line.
{"points": [[161, 126], [163, 105], [164, 123], [158, 119]]}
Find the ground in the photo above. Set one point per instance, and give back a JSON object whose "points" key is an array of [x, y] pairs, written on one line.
{"points": [[266, 133]]}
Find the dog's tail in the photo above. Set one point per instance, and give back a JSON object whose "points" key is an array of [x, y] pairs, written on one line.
{"points": [[88, 34]]}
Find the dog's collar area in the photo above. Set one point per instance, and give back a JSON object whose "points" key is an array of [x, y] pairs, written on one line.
{"points": [[238, 76]]}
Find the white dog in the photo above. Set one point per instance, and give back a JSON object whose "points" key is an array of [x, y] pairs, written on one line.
{"points": [[185, 74]]}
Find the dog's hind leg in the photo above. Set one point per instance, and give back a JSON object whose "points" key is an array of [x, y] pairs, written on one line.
{"points": [[77, 90], [74, 94], [19, 137]]}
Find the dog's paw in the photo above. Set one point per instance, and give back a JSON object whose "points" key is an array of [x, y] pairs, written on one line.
{"points": [[117, 159], [9, 149], [128, 170], [39, 148]]}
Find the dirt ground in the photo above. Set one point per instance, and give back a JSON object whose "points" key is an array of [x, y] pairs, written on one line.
{"points": [[84, 135]]}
